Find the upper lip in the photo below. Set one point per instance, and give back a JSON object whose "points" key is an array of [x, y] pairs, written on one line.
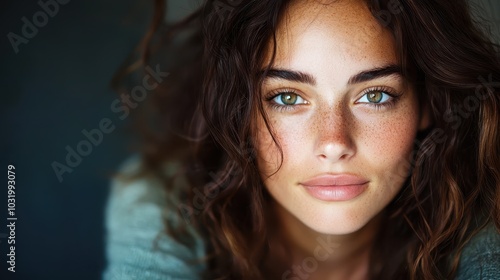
{"points": [[335, 180]]}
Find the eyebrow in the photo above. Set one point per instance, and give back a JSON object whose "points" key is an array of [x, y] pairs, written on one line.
{"points": [[363, 76]]}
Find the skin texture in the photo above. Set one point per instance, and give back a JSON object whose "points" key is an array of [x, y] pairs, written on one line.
{"points": [[333, 128]]}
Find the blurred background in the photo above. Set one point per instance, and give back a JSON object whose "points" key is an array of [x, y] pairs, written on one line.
{"points": [[55, 84]]}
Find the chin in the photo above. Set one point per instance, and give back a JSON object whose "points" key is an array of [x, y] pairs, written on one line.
{"points": [[337, 227], [335, 220]]}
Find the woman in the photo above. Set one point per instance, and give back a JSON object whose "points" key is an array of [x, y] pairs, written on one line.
{"points": [[318, 140]]}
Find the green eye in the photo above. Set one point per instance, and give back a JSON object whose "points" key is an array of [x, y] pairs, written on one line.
{"points": [[288, 98], [376, 97]]}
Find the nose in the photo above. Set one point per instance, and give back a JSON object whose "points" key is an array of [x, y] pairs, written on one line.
{"points": [[334, 132]]}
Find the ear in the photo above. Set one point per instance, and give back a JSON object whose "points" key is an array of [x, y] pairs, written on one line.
{"points": [[426, 119]]}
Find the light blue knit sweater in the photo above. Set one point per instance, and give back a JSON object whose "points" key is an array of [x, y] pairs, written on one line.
{"points": [[136, 246], [134, 223]]}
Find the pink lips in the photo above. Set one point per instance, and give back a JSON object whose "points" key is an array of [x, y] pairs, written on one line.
{"points": [[340, 187]]}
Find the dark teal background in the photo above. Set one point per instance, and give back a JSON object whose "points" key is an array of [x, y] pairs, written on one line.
{"points": [[53, 88], [56, 86]]}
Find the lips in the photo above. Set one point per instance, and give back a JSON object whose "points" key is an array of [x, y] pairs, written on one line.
{"points": [[335, 180], [340, 187]]}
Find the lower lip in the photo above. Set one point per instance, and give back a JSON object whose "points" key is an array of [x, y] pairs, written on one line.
{"points": [[336, 193]]}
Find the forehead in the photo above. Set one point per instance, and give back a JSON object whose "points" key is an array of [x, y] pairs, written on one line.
{"points": [[335, 33]]}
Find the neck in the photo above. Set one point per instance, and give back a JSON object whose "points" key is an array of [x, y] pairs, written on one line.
{"points": [[326, 256]]}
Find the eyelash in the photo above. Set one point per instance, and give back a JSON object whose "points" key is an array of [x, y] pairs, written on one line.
{"points": [[281, 108], [394, 96]]}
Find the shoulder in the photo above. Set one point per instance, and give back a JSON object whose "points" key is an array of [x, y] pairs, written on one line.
{"points": [[481, 256], [137, 246]]}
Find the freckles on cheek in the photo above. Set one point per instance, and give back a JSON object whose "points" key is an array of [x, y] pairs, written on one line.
{"points": [[390, 139], [387, 143]]}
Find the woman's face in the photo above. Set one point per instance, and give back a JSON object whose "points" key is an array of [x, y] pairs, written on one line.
{"points": [[342, 113]]}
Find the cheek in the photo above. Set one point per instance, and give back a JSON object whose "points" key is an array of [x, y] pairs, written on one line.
{"points": [[276, 168], [385, 144], [268, 154], [292, 137]]}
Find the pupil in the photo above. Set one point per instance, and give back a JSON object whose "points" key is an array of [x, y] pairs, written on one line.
{"points": [[374, 97]]}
